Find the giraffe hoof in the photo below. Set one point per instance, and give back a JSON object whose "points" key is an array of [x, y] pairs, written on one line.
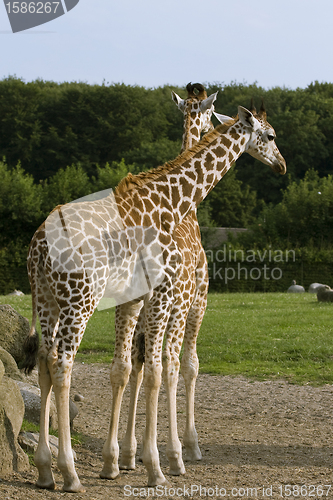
{"points": [[74, 489], [109, 475], [177, 471], [193, 455], [46, 486], [129, 466], [157, 481]]}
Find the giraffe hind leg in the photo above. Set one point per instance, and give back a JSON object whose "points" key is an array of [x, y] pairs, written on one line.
{"points": [[56, 359], [49, 318], [42, 458], [170, 360], [61, 376], [189, 369]]}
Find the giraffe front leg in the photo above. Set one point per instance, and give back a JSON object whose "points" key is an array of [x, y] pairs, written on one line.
{"points": [[190, 362], [129, 443], [119, 375], [42, 458], [126, 320], [61, 370], [150, 456], [190, 366], [170, 377], [157, 312]]}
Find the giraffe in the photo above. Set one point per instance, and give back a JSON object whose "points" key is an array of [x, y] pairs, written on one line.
{"points": [[197, 110], [68, 278], [190, 301]]}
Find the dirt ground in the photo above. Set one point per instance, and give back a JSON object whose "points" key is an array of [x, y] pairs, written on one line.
{"points": [[256, 438]]}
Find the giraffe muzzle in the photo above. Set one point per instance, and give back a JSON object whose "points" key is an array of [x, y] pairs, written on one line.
{"points": [[280, 166]]}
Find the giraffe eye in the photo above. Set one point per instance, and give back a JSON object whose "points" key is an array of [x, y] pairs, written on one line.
{"points": [[270, 137]]}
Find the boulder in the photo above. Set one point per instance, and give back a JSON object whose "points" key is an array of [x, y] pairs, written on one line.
{"points": [[313, 288], [325, 294], [14, 329], [10, 365], [29, 442], [295, 288], [12, 457], [31, 397]]}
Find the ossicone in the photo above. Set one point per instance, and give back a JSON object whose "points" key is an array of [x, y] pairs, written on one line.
{"points": [[262, 111]]}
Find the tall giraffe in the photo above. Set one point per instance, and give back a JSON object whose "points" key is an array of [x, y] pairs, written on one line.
{"points": [[69, 277], [190, 301]]}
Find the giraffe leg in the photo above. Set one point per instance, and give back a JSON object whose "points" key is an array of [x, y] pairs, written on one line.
{"points": [[157, 313], [119, 375], [174, 339], [190, 368], [42, 458], [129, 443], [150, 457], [61, 369], [49, 325], [126, 319], [170, 377]]}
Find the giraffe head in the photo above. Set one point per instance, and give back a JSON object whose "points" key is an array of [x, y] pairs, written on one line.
{"points": [[197, 109], [261, 143]]}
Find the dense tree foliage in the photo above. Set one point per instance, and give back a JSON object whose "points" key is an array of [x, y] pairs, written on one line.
{"points": [[48, 126], [304, 217]]}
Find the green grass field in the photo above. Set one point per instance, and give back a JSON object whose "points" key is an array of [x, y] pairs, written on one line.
{"points": [[261, 336]]}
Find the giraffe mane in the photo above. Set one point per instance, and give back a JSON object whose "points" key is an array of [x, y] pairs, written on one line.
{"points": [[136, 181]]}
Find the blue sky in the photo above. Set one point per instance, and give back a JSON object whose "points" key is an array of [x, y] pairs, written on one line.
{"points": [[153, 43]]}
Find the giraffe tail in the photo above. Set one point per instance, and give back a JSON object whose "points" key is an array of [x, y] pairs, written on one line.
{"points": [[140, 344], [30, 349], [31, 343]]}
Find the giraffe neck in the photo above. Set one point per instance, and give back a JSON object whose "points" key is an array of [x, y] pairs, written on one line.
{"points": [[167, 200], [191, 133]]}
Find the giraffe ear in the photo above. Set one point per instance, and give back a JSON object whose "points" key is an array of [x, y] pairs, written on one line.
{"points": [[208, 103], [222, 118], [179, 102], [247, 118]]}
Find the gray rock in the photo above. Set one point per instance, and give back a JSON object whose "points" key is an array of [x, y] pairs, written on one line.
{"points": [[14, 329], [295, 288], [313, 288], [73, 411], [12, 456], [78, 397], [31, 398], [29, 442], [17, 293], [325, 294], [10, 365]]}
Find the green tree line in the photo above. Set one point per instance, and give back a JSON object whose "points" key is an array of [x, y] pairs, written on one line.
{"points": [[59, 142]]}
